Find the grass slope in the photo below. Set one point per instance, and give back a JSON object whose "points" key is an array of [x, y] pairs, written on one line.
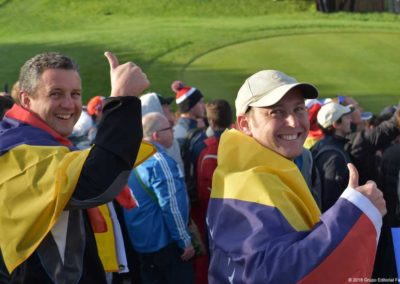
{"points": [[170, 38], [346, 68]]}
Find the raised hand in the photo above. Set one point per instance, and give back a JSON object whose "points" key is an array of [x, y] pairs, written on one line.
{"points": [[369, 189], [126, 79]]}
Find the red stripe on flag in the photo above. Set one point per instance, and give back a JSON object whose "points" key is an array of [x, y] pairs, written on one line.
{"points": [[353, 258]]}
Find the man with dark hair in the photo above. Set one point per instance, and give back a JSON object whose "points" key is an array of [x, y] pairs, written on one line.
{"points": [[46, 236], [219, 116], [220, 113], [329, 155]]}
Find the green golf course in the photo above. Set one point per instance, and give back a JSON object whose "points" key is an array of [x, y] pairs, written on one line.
{"points": [[362, 64], [213, 45]]}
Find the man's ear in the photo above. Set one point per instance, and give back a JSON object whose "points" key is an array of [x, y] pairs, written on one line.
{"points": [[243, 124], [336, 125], [211, 123], [25, 99], [154, 136]]}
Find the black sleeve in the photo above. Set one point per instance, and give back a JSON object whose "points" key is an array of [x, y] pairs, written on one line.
{"points": [[116, 145]]}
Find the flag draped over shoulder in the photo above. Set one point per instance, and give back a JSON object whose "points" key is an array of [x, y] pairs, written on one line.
{"points": [[265, 226], [287, 189], [36, 183], [38, 175]]}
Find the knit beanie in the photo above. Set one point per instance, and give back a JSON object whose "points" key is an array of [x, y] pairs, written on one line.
{"points": [[186, 96]]}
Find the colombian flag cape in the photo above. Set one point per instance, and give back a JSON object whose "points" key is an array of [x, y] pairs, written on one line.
{"points": [[39, 172], [265, 227]]}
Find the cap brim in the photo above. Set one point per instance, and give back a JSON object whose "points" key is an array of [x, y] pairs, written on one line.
{"points": [[308, 91], [366, 115], [350, 110]]}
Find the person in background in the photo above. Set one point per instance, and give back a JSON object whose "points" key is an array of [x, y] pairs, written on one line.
{"points": [[188, 130], [85, 129], [158, 227], [79, 136], [53, 241], [219, 116], [264, 225], [153, 102], [95, 109], [190, 104], [363, 145], [389, 182], [315, 134], [329, 153], [357, 122]]}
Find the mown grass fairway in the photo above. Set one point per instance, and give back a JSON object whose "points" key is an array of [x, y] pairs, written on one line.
{"points": [[211, 44], [337, 62]]}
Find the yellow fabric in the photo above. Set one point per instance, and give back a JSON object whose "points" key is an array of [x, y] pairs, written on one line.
{"points": [[36, 183], [250, 172], [146, 150], [310, 141], [106, 243]]}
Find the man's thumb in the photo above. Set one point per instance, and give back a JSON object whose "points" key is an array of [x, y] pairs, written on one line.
{"points": [[112, 60], [353, 175]]}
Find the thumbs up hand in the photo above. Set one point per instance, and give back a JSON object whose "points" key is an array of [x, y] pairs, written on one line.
{"points": [[369, 189], [126, 79]]}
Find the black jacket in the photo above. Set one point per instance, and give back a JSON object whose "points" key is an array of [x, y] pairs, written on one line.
{"points": [[363, 145], [385, 263], [331, 160]]}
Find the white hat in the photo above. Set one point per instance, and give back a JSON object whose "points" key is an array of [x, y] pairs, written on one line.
{"points": [[331, 112], [267, 87]]}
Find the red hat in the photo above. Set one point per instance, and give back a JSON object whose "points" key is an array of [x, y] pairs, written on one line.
{"points": [[95, 104], [186, 96]]}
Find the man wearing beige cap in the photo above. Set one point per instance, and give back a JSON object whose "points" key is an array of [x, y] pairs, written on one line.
{"points": [[329, 153], [264, 225]]}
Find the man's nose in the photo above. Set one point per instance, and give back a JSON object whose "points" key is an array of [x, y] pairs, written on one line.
{"points": [[292, 120], [67, 102]]}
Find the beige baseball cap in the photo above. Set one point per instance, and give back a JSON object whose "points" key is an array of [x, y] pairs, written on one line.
{"points": [[331, 112], [267, 87]]}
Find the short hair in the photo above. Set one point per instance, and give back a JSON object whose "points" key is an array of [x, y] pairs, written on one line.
{"points": [[151, 123], [220, 112], [330, 130], [33, 68]]}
